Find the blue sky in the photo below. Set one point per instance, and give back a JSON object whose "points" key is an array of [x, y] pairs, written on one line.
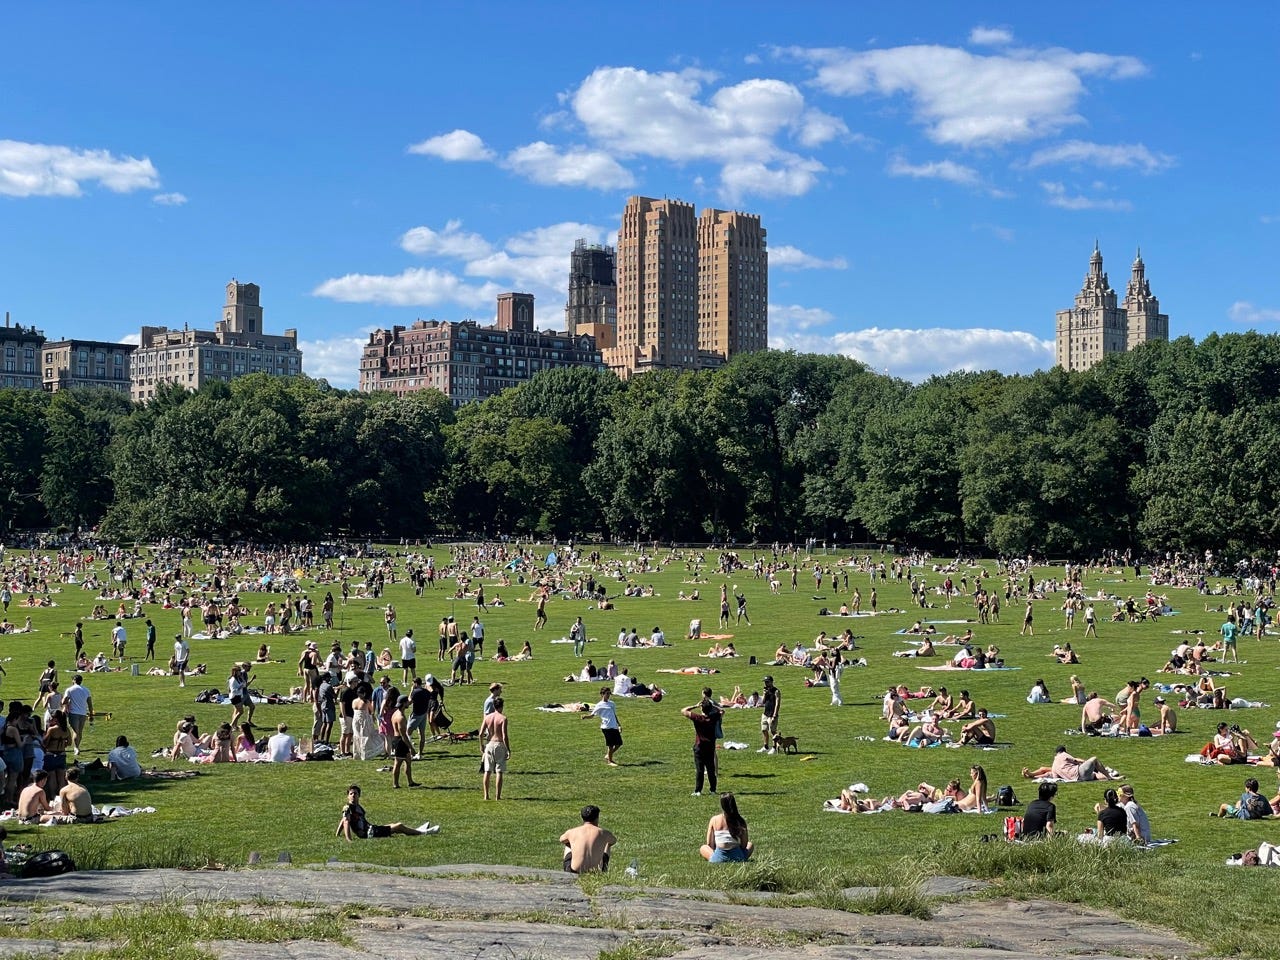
{"points": [[932, 176]]}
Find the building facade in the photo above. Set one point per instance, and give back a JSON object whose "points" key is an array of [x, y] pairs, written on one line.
{"points": [[20, 353], [235, 347], [691, 291], [592, 308], [467, 361], [1098, 326], [75, 364]]}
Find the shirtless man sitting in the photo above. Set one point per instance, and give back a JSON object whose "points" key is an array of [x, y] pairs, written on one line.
{"points": [[75, 798], [981, 731], [1094, 713], [587, 846], [33, 805]]}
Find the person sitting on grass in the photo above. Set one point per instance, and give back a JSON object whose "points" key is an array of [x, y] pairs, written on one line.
{"points": [[355, 822], [587, 846], [1112, 825], [1228, 745], [1067, 767], [981, 731], [727, 840], [122, 761], [1251, 806], [928, 733]]}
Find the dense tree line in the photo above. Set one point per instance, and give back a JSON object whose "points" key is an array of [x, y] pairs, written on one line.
{"points": [[1166, 447]]}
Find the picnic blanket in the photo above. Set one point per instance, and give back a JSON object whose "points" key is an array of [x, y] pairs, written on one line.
{"points": [[953, 667]]}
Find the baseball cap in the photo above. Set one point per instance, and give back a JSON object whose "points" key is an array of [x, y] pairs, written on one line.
{"points": [[1159, 700]]}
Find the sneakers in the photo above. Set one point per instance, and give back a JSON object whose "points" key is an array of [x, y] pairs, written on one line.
{"points": [[763, 749], [429, 827], [771, 751], [696, 793]]}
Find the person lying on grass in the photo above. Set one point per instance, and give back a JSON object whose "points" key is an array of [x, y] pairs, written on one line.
{"points": [[355, 822]]}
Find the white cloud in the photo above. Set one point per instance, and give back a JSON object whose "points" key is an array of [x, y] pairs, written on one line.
{"points": [[170, 199], [1269, 218], [336, 359], [415, 287], [449, 242], [788, 320], [1113, 155], [633, 112], [1056, 195], [571, 167], [967, 99], [793, 258], [919, 354], [791, 179], [534, 261], [134, 338], [46, 170], [990, 36], [458, 145], [1242, 311], [947, 170]]}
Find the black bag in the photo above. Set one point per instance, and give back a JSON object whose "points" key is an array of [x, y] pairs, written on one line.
{"points": [[1005, 797], [442, 720], [48, 863], [321, 751]]}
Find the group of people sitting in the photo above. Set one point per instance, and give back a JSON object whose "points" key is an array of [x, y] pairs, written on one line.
{"points": [[924, 728], [926, 798]]}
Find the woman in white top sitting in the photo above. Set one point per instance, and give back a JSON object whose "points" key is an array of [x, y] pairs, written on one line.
{"points": [[1039, 693], [727, 840]]}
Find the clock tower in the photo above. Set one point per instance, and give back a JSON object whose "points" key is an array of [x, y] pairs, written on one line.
{"points": [[241, 313]]}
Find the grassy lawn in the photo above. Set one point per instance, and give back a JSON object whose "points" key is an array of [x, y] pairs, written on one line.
{"points": [[557, 759]]}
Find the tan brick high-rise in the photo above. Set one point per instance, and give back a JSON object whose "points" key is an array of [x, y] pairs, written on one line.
{"points": [[1096, 326], [691, 292], [733, 283]]}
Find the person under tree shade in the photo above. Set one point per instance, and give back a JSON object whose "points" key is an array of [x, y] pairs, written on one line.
{"points": [[355, 822]]}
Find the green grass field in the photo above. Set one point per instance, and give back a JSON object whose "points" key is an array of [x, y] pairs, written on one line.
{"points": [[557, 759]]}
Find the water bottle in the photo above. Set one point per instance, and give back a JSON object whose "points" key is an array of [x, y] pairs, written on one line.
{"points": [[633, 868]]}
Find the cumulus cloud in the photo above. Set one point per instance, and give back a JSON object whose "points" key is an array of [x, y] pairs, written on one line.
{"points": [[533, 261], [570, 167], [788, 320], [793, 258], [1242, 311], [1112, 155], [990, 36], [415, 287], [449, 242], [336, 359], [634, 112], [966, 99], [47, 170], [1057, 196], [947, 170], [458, 145], [170, 199], [919, 354]]}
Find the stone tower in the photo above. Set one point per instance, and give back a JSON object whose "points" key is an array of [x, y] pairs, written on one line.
{"points": [[1095, 326], [1142, 310]]}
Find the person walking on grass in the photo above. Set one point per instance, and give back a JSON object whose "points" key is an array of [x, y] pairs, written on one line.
{"points": [[1229, 633], [497, 747], [607, 712], [1028, 616], [401, 748], [1090, 621]]}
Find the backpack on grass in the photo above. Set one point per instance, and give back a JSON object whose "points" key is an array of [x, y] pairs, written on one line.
{"points": [[48, 863], [1005, 797]]}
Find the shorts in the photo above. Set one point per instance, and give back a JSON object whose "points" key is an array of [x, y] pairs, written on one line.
{"points": [[408, 663], [76, 721], [495, 757], [344, 725], [984, 739], [378, 831], [1088, 770], [736, 855], [55, 761], [417, 722], [769, 724], [612, 737], [181, 666], [401, 749]]}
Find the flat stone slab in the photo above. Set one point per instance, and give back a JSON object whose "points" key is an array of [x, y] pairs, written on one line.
{"points": [[475, 911]]}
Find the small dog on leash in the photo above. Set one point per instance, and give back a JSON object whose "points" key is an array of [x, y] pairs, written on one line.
{"points": [[786, 744]]}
